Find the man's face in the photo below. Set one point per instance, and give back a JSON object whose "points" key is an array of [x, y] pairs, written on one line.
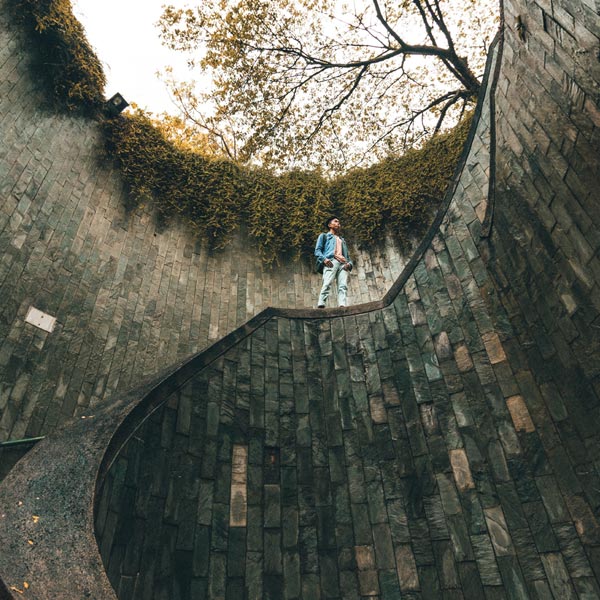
{"points": [[335, 224]]}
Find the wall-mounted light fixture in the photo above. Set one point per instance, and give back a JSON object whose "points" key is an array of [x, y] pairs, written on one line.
{"points": [[116, 104]]}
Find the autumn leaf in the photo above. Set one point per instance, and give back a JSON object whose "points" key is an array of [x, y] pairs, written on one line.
{"points": [[294, 84]]}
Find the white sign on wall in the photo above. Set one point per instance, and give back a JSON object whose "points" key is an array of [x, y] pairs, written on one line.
{"points": [[40, 319]]}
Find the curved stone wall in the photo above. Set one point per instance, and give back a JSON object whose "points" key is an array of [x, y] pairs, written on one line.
{"points": [[442, 443], [545, 246], [124, 294], [388, 453], [304, 456]]}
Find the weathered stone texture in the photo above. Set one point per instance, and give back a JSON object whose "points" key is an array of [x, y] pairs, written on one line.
{"points": [[465, 461], [128, 297], [546, 247], [442, 446]]}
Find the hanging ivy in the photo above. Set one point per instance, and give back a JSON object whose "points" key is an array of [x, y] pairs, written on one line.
{"points": [[63, 58], [400, 193], [284, 212]]}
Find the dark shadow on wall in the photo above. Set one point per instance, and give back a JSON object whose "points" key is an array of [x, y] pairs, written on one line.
{"points": [[103, 443]]}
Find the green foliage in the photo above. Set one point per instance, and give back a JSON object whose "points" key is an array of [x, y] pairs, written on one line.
{"points": [[210, 194], [285, 212], [66, 62], [399, 193]]}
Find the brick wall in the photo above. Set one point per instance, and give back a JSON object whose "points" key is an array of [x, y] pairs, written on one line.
{"points": [[546, 245], [379, 454], [125, 294], [443, 446]]}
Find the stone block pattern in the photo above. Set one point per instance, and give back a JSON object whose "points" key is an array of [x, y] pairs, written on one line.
{"points": [[128, 297], [545, 247], [445, 446], [417, 451], [390, 454]]}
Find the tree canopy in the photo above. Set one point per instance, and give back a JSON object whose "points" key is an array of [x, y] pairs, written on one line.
{"points": [[327, 84]]}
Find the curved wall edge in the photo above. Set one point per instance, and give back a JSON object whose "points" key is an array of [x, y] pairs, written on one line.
{"points": [[125, 293], [111, 427]]}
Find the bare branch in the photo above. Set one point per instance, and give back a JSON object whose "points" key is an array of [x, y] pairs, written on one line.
{"points": [[387, 26], [451, 101], [329, 111], [441, 23]]}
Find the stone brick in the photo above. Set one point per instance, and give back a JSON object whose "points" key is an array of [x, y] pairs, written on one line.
{"points": [[406, 569], [498, 531], [558, 576], [461, 469], [463, 358], [365, 557], [484, 556]]}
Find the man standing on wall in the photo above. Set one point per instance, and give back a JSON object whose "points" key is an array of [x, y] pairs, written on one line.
{"points": [[333, 261]]}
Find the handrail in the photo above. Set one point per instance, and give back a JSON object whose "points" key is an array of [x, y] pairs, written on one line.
{"points": [[486, 226], [21, 442]]}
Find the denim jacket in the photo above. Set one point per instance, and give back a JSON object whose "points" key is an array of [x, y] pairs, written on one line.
{"points": [[325, 248]]}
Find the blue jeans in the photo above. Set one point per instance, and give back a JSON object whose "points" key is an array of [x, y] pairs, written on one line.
{"points": [[329, 274]]}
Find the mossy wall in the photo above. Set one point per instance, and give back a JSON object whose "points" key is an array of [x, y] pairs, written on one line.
{"points": [[442, 446], [63, 60], [126, 292], [284, 212]]}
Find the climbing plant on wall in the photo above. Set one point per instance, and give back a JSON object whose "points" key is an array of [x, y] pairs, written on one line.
{"points": [[284, 211], [210, 194], [400, 193], [67, 64]]}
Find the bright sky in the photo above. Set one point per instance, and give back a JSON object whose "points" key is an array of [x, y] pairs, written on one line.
{"points": [[125, 38]]}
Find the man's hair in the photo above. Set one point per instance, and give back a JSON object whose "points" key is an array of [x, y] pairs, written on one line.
{"points": [[329, 221]]}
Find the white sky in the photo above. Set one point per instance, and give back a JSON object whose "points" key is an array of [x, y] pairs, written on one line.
{"points": [[124, 35]]}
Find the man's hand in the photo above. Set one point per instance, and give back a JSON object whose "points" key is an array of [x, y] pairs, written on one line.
{"points": [[348, 267], [327, 263]]}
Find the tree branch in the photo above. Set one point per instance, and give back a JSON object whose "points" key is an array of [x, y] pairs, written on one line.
{"points": [[387, 26], [326, 114]]}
